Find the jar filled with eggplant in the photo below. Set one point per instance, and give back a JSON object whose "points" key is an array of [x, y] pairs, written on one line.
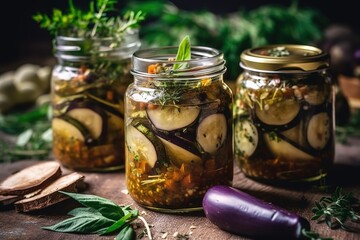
{"points": [[88, 88], [178, 132], [284, 114]]}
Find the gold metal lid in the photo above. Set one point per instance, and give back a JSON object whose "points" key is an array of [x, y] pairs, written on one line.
{"points": [[285, 57]]}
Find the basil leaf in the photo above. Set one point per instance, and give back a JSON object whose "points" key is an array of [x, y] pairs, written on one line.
{"points": [[183, 54], [83, 223], [104, 206], [84, 212], [127, 233]]}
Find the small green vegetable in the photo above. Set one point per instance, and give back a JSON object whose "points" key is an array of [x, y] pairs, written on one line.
{"points": [[100, 216]]}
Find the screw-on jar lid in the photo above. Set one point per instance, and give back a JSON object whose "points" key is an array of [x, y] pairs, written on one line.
{"points": [[285, 57]]}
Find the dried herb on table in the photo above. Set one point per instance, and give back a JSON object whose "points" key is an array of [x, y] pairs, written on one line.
{"points": [[101, 216], [338, 210]]}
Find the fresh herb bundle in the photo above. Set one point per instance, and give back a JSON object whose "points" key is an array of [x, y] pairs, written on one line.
{"points": [[102, 19], [99, 216], [233, 32], [170, 90]]}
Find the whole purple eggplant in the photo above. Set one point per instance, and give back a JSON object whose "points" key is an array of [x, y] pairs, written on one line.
{"points": [[240, 213]]}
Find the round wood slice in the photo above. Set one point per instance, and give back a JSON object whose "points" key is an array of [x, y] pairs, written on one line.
{"points": [[50, 195], [31, 178]]}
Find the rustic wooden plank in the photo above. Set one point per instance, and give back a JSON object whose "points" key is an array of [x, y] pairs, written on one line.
{"points": [[110, 185]]}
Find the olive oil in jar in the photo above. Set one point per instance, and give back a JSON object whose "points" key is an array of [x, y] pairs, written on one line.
{"points": [[178, 130], [88, 88], [284, 114]]}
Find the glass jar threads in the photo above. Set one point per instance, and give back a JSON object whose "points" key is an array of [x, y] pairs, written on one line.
{"points": [[283, 114], [178, 130], [88, 88]]}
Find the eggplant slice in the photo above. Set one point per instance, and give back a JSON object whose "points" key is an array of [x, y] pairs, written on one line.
{"points": [[170, 118], [318, 130], [68, 130], [246, 137], [286, 150], [91, 119], [179, 155], [143, 143], [315, 96], [296, 134], [279, 114], [211, 132]]}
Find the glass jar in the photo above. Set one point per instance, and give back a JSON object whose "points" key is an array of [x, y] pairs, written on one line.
{"points": [[178, 129], [284, 114], [88, 87]]}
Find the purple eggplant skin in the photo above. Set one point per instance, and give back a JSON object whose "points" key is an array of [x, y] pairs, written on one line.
{"points": [[240, 213]]}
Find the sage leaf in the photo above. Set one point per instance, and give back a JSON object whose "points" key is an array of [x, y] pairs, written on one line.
{"points": [[104, 206], [24, 138], [83, 223], [47, 135], [127, 233], [183, 53]]}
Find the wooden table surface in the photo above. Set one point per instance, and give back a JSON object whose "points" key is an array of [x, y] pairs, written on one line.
{"points": [[345, 173]]}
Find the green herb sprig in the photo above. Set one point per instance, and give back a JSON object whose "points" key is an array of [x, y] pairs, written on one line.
{"points": [[99, 216], [337, 210], [172, 91], [100, 20], [233, 32], [29, 134]]}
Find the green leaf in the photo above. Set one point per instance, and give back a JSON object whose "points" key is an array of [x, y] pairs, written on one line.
{"points": [[24, 138], [127, 233], [120, 223], [104, 206], [183, 53], [47, 135], [83, 222], [82, 211]]}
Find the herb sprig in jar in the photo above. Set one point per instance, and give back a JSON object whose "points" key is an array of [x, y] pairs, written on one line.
{"points": [[102, 19], [93, 48]]}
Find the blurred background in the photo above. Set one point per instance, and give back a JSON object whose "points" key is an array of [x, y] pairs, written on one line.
{"points": [[228, 25], [22, 40]]}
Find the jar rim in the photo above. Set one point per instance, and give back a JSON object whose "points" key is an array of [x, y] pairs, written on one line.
{"points": [[204, 61], [293, 58], [86, 48]]}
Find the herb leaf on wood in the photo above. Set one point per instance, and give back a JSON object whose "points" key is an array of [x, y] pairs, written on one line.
{"points": [[337, 210], [100, 216]]}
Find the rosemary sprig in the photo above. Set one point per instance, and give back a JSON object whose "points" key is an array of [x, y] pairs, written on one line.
{"points": [[337, 210], [100, 20]]}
